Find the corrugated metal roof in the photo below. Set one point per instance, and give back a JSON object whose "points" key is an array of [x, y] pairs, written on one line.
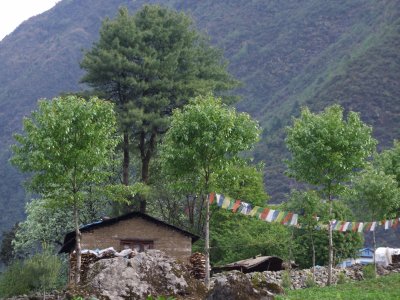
{"points": [[251, 262]]}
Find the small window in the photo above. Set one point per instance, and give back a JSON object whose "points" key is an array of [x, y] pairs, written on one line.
{"points": [[137, 245]]}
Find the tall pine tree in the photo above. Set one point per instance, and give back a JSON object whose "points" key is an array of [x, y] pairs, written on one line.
{"points": [[149, 64]]}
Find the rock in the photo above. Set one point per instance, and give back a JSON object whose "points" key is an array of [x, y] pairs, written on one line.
{"points": [[147, 273], [235, 286]]}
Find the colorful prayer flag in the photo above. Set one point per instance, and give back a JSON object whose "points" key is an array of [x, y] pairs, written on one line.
{"points": [[264, 214], [226, 202], [236, 205], [212, 198]]}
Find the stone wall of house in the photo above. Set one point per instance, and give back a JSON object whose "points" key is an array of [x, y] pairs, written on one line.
{"points": [[172, 242]]}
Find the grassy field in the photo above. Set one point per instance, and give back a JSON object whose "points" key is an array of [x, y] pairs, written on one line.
{"points": [[385, 287]]}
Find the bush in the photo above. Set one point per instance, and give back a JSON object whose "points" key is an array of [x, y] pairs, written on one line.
{"points": [[12, 281], [310, 282], [369, 271], [286, 280], [38, 273], [341, 278]]}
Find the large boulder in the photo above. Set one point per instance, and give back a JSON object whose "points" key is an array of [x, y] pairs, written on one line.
{"points": [[147, 273]]}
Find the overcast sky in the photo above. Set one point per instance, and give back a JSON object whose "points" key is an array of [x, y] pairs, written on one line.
{"points": [[14, 12]]}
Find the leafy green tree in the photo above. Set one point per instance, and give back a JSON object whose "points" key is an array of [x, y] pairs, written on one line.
{"points": [[67, 145], [205, 139], [374, 196], [149, 64], [325, 151]]}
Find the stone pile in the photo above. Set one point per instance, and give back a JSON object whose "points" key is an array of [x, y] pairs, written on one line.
{"points": [[88, 257], [235, 285], [147, 273], [301, 278]]}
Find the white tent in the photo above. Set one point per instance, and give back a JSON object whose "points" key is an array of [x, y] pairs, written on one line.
{"points": [[383, 255]]}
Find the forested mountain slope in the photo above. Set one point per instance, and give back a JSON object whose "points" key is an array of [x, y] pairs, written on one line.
{"points": [[287, 54]]}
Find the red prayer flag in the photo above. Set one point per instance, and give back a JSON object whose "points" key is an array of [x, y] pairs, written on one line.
{"points": [[236, 205], [342, 226], [212, 197], [287, 218], [264, 214]]}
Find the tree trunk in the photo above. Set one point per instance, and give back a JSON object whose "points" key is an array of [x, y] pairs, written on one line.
{"points": [[329, 282], [125, 164], [313, 257], [77, 247], [374, 244], [207, 244], [146, 153]]}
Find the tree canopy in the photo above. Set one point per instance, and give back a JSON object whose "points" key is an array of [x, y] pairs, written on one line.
{"points": [[326, 149], [149, 64], [205, 139]]}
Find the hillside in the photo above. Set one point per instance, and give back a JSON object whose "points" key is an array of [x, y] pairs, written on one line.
{"points": [[287, 53]]}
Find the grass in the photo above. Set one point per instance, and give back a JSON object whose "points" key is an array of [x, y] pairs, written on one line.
{"points": [[385, 287]]}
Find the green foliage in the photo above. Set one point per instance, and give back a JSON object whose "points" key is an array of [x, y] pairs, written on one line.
{"points": [[150, 64], [374, 195], [310, 282], [345, 244], [389, 161], [369, 271], [326, 149], [205, 139], [235, 237], [202, 146], [39, 273], [384, 287], [298, 53], [341, 278], [48, 225], [242, 181], [309, 205], [66, 146], [286, 280]]}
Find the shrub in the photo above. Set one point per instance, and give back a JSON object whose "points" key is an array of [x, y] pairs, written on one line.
{"points": [[341, 278], [38, 273], [12, 281], [310, 282], [369, 271], [286, 280]]}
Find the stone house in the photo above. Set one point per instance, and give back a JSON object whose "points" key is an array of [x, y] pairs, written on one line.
{"points": [[134, 230]]}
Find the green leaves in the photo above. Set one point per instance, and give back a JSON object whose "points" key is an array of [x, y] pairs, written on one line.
{"points": [[67, 145], [325, 148], [205, 138]]}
